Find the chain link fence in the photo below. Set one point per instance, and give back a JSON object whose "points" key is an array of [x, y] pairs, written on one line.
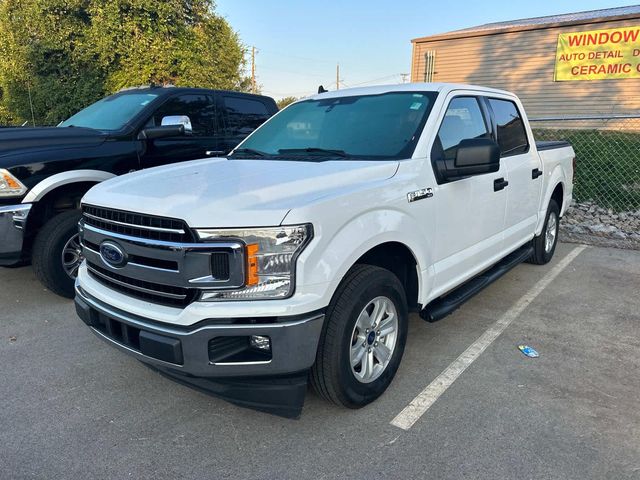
{"points": [[606, 208]]}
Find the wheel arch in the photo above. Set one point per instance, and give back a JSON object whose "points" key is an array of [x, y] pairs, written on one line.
{"points": [[399, 259], [54, 182], [555, 191], [558, 195], [57, 199]]}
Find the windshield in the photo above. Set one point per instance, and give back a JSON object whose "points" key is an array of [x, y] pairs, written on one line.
{"points": [[110, 113], [372, 127]]}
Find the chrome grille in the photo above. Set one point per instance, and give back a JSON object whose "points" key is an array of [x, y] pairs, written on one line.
{"points": [[137, 225], [153, 292], [158, 270]]}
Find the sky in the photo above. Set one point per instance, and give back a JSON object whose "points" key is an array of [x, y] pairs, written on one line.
{"points": [[299, 42]]}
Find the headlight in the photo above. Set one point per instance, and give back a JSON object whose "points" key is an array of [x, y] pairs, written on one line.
{"points": [[10, 186], [270, 255]]}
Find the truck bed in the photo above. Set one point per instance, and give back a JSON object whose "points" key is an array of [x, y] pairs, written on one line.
{"points": [[550, 145]]}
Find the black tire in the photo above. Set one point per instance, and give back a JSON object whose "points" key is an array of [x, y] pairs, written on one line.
{"points": [[47, 253], [332, 375], [542, 255]]}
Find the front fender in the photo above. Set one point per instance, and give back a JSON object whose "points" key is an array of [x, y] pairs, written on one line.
{"points": [[72, 176], [332, 253]]}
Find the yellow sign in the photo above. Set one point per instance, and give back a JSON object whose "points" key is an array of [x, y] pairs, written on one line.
{"points": [[598, 54]]}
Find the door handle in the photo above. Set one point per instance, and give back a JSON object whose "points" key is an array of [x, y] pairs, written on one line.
{"points": [[535, 173], [210, 153], [499, 184]]}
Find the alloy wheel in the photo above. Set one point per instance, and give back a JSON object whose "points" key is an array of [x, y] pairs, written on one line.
{"points": [[72, 256], [373, 339]]}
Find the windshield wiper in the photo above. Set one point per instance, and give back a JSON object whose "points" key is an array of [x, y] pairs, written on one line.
{"points": [[250, 151], [327, 151]]}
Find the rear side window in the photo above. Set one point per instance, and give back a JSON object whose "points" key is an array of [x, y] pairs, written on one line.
{"points": [[512, 136], [463, 120], [244, 114]]}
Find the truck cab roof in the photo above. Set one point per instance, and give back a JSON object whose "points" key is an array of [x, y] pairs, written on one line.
{"points": [[407, 87], [167, 90]]}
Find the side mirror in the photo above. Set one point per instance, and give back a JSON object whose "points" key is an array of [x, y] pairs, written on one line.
{"points": [[477, 152], [153, 133], [475, 156], [178, 120]]}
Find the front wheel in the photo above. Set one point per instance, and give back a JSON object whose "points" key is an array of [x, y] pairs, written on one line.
{"points": [[363, 338], [544, 245], [57, 254]]}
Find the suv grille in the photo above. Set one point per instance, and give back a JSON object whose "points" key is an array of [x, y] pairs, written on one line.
{"points": [[137, 225], [153, 292]]}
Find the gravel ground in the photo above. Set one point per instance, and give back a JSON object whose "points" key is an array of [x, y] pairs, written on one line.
{"points": [[588, 223]]}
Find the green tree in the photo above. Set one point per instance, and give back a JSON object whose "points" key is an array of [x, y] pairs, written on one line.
{"points": [[179, 42], [57, 56], [283, 102], [42, 66]]}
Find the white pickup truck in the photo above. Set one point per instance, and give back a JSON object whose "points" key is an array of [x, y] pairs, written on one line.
{"points": [[299, 256]]}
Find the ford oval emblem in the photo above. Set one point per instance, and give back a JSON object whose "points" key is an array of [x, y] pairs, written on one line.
{"points": [[113, 255]]}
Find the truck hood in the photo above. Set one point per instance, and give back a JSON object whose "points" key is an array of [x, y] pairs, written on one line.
{"points": [[234, 193], [17, 140]]}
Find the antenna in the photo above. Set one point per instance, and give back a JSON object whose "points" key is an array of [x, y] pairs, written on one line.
{"points": [[33, 118], [253, 69]]}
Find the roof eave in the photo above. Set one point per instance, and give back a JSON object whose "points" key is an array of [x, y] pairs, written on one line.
{"points": [[521, 28]]}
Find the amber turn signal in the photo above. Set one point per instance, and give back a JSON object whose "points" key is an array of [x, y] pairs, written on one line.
{"points": [[252, 264]]}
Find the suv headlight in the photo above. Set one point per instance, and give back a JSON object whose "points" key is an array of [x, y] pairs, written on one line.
{"points": [[270, 260], [10, 186]]}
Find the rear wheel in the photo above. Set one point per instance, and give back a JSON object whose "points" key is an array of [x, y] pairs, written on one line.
{"points": [[363, 338], [57, 253], [544, 245]]}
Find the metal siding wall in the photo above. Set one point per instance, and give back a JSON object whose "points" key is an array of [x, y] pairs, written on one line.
{"points": [[523, 62]]}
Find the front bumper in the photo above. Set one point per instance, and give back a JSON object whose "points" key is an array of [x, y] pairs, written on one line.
{"points": [[13, 221], [276, 385]]}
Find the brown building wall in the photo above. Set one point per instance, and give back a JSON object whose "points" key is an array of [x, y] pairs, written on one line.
{"points": [[523, 62]]}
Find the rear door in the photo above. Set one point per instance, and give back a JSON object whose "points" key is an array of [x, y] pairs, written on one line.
{"points": [[200, 108], [241, 116], [470, 211], [523, 169]]}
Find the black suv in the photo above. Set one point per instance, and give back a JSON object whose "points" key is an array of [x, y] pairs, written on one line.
{"points": [[44, 172]]}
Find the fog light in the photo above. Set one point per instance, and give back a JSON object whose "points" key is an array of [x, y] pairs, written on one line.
{"points": [[260, 342]]}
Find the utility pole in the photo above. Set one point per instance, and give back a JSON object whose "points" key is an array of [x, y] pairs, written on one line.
{"points": [[337, 76], [253, 69], [404, 76]]}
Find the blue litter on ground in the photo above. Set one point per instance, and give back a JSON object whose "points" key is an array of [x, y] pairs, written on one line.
{"points": [[528, 351]]}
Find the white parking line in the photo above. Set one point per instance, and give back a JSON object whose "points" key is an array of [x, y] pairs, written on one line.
{"points": [[419, 405]]}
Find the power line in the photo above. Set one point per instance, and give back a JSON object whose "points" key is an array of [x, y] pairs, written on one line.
{"points": [[290, 94], [304, 74], [315, 60], [376, 79]]}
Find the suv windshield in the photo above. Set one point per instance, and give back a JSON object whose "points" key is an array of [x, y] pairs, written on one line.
{"points": [[110, 113], [371, 127]]}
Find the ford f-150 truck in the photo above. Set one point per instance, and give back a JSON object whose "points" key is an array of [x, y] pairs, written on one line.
{"points": [[300, 255], [44, 172]]}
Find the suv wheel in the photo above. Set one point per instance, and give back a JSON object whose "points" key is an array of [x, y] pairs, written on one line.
{"points": [[57, 253], [363, 338]]}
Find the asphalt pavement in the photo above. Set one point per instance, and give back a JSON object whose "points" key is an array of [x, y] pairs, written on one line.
{"points": [[72, 407]]}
